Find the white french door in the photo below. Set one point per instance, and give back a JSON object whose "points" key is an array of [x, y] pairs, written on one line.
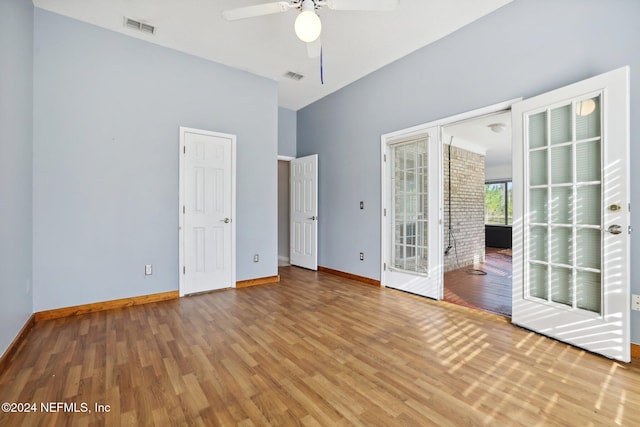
{"points": [[571, 214], [207, 209], [303, 240], [412, 259]]}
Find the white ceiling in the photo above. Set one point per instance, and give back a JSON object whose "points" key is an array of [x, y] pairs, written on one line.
{"points": [[476, 135], [354, 43]]}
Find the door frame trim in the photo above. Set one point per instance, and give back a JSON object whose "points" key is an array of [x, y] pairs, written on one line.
{"points": [[385, 142], [181, 255]]}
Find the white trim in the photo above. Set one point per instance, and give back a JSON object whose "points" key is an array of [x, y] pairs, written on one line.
{"points": [[494, 108], [286, 158], [183, 131]]}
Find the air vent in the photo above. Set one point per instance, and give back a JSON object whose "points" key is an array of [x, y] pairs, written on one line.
{"points": [[140, 26], [293, 76]]}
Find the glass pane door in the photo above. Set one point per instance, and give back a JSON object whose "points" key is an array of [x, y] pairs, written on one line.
{"points": [[571, 214], [564, 218], [411, 194], [410, 185]]}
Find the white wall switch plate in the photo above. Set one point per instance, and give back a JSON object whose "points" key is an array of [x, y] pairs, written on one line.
{"points": [[635, 302], [147, 270]]}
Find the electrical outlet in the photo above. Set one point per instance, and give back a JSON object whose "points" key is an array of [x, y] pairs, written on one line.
{"points": [[256, 258], [148, 270], [361, 256], [635, 302]]}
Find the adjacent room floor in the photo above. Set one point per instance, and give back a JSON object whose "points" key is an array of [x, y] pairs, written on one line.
{"points": [[315, 349], [489, 292]]}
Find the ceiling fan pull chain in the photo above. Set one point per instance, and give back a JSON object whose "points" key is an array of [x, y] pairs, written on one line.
{"points": [[321, 70]]}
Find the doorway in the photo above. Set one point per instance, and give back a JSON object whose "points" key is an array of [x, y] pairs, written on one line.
{"points": [[298, 211], [478, 212], [392, 236], [283, 211], [303, 194]]}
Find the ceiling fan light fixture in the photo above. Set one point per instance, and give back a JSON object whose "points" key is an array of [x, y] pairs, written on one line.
{"points": [[308, 25]]}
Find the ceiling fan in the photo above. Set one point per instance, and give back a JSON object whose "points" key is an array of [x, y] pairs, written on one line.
{"points": [[308, 25]]}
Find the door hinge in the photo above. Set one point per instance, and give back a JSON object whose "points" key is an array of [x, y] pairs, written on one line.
{"points": [[184, 149], [384, 266], [184, 270], [384, 212], [385, 157], [184, 211]]}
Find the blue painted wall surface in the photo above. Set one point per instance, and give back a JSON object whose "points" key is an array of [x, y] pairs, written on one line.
{"points": [[16, 135], [107, 112], [287, 132], [523, 49]]}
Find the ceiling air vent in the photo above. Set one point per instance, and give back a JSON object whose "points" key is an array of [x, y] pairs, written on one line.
{"points": [[293, 76], [140, 26]]}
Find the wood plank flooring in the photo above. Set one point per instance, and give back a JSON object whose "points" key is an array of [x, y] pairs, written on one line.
{"points": [[313, 350], [490, 292]]}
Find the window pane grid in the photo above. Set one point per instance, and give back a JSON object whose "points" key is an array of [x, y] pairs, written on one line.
{"points": [[564, 206], [410, 196]]}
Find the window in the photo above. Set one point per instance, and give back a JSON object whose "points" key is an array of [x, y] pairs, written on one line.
{"points": [[498, 203]]}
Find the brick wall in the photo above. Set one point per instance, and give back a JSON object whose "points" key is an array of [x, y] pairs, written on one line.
{"points": [[467, 207]]}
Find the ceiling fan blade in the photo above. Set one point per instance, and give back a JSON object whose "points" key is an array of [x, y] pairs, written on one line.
{"points": [[256, 10], [313, 48], [374, 5]]}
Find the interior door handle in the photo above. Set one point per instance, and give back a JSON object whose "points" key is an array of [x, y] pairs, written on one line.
{"points": [[314, 218], [226, 220], [614, 229]]}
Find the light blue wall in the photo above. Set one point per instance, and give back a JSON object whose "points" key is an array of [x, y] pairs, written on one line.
{"points": [[523, 49], [286, 132], [107, 112], [16, 135]]}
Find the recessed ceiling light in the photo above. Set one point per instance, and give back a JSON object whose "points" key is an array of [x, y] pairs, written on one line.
{"points": [[497, 127]]}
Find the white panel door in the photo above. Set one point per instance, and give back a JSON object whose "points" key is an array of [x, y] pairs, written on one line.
{"points": [[207, 227], [571, 214], [304, 212], [412, 259]]}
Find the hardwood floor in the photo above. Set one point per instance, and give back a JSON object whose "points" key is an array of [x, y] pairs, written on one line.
{"points": [[315, 349], [490, 292]]}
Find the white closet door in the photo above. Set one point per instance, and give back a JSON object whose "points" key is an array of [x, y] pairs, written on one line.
{"points": [[207, 247]]}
